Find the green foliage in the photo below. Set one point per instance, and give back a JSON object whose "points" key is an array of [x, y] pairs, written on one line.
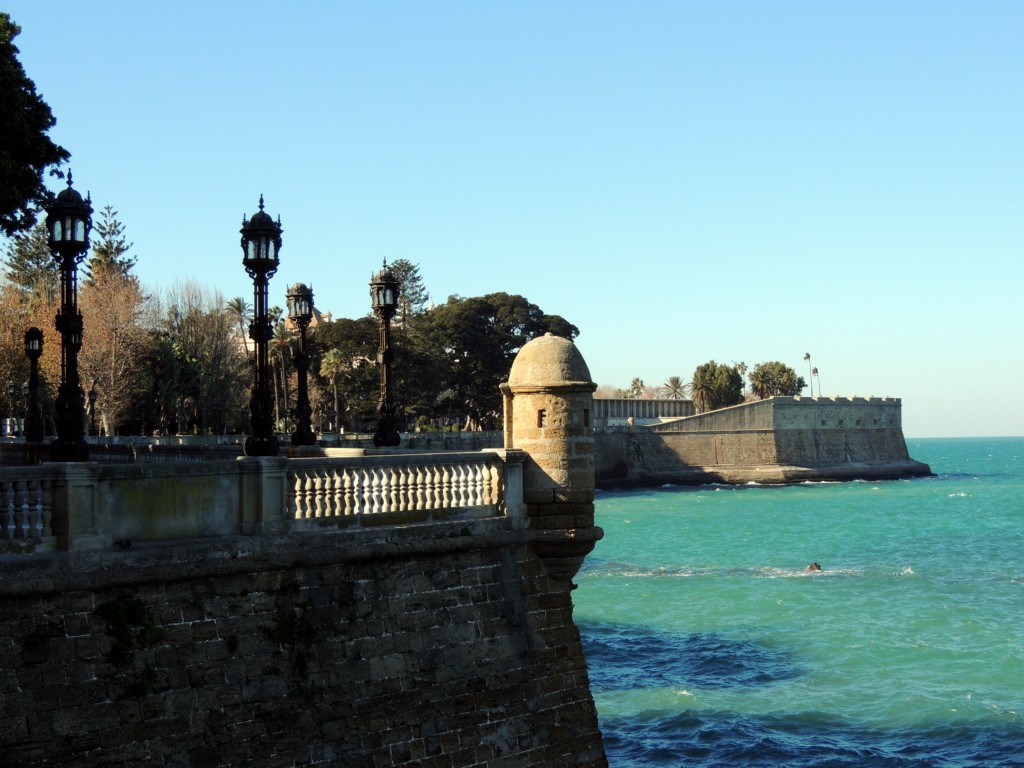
{"points": [[26, 151], [412, 296], [31, 268], [343, 353], [109, 247], [775, 379], [211, 368], [716, 385], [635, 390], [675, 388], [470, 344]]}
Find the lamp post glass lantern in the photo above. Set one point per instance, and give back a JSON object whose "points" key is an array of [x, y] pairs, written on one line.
{"points": [[384, 290], [300, 312], [261, 245], [33, 407], [68, 222]]}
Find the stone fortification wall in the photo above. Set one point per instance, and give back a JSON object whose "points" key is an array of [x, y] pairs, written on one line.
{"points": [[778, 440], [434, 645]]}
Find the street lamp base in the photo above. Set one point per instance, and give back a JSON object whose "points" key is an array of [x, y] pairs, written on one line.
{"points": [[303, 437], [261, 446], [69, 451], [387, 439]]}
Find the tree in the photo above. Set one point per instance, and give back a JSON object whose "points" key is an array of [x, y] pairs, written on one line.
{"points": [[775, 379], [281, 345], [471, 343], [26, 151], [30, 266], [413, 296], [109, 247], [635, 390], [332, 365], [675, 388], [343, 352], [212, 370], [238, 312], [113, 351], [716, 385]]}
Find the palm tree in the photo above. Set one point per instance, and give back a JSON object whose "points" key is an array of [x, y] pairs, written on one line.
{"points": [[702, 389], [810, 371], [332, 366], [675, 388], [762, 385], [814, 373], [281, 343], [238, 310]]}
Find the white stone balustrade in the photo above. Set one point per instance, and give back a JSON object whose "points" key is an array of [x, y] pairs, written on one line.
{"points": [[77, 506], [402, 488], [25, 505]]}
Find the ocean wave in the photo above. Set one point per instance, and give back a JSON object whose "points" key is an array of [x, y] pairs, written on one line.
{"points": [[803, 740], [596, 568]]}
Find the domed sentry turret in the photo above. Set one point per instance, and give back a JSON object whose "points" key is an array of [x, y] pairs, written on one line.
{"points": [[548, 401]]}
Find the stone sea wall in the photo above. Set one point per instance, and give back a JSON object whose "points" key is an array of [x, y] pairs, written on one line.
{"points": [[432, 645], [780, 440]]}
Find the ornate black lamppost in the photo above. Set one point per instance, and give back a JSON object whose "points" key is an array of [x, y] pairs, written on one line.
{"points": [[34, 415], [92, 408], [384, 298], [12, 424], [68, 222], [261, 242], [300, 312]]}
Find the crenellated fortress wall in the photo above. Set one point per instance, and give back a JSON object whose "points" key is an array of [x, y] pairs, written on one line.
{"points": [[778, 440]]}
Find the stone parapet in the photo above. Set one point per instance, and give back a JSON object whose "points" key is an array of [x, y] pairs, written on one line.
{"points": [[438, 644]]}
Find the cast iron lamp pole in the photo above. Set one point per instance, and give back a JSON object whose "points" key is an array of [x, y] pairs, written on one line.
{"points": [[10, 403], [34, 416], [300, 312], [68, 222], [384, 290], [92, 408], [261, 243]]}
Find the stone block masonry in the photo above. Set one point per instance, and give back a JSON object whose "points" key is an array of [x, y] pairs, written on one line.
{"points": [[440, 644]]}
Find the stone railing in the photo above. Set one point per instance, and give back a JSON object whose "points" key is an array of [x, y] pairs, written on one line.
{"points": [[357, 490], [25, 505], [89, 505]]}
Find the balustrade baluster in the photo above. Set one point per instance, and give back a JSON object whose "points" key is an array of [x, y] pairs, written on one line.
{"points": [[408, 503], [375, 491], [317, 489], [297, 512], [446, 486], [419, 500], [7, 510], [476, 486], [35, 491], [348, 492], [21, 509]]}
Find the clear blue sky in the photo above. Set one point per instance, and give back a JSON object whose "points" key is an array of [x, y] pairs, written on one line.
{"points": [[743, 181]]}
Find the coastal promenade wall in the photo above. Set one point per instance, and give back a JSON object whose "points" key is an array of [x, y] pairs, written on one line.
{"points": [[444, 646], [778, 440], [338, 607]]}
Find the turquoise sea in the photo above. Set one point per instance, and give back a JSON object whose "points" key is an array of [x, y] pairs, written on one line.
{"points": [[709, 644]]}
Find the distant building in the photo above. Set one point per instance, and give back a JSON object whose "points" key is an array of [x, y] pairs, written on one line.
{"points": [[620, 412]]}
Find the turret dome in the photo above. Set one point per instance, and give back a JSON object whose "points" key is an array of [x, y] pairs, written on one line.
{"points": [[549, 361]]}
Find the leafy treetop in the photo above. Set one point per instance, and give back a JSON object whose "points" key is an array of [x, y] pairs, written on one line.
{"points": [[26, 151]]}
